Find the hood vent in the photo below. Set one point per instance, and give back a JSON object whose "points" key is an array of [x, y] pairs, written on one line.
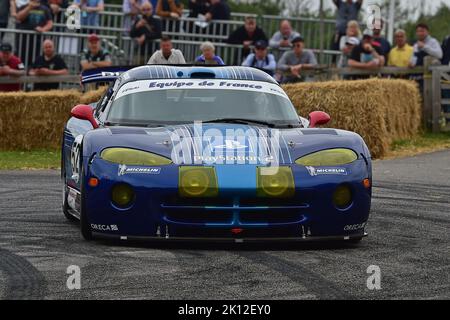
{"points": [[319, 131]]}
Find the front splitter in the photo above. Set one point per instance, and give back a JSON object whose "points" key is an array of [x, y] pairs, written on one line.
{"points": [[99, 235]]}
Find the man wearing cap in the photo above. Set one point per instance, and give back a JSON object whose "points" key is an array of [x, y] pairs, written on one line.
{"points": [[95, 56], [10, 65], [366, 56], [350, 44], [294, 61], [261, 58], [247, 35], [49, 64], [401, 54]]}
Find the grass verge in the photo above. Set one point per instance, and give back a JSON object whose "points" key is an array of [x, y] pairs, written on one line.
{"points": [[22, 160], [422, 143]]}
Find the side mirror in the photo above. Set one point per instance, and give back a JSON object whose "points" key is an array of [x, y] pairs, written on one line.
{"points": [[84, 112], [317, 118]]}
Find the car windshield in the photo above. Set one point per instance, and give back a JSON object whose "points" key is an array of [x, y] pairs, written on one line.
{"points": [[175, 102]]}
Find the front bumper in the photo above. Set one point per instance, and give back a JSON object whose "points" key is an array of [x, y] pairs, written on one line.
{"points": [[309, 216]]}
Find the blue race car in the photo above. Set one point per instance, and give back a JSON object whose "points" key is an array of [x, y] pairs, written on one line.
{"points": [[213, 153]]}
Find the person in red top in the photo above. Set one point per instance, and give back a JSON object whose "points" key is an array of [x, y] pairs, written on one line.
{"points": [[10, 65]]}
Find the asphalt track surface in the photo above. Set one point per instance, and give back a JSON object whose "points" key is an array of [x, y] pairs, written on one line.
{"points": [[409, 233]]}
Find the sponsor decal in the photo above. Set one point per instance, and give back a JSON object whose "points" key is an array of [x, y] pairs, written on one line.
{"points": [[75, 157], [231, 145], [354, 227], [124, 169], [234, 146], [110, 74], [314, 171], [221, 159], [171, 84], [104, 227]]}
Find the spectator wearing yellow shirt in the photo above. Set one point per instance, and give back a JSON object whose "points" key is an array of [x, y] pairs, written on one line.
{"points": [[401, 54]]}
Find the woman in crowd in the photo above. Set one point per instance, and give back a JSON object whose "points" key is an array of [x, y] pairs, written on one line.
{"points": [[208, 55], [353, 31]]}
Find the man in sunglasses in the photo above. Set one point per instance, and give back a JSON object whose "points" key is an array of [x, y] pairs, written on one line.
{"points": [[294, 61]]}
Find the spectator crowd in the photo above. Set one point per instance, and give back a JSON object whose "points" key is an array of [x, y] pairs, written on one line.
{"points": [[143, 22]]}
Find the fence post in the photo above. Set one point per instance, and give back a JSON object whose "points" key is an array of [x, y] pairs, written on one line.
{"points": [[436, 95], [427, 98], [322, 31]]}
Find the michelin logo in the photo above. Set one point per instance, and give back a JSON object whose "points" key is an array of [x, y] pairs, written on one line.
{"points": [[124, 169], [313, 171]]}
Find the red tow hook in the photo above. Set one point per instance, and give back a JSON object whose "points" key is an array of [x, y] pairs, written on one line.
{"points": [[236, 230]]}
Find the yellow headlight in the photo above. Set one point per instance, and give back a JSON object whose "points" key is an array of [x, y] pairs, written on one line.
{"points": [[275, 182], [133, 157], [122, 195], [330, 157], [196, 181], [342, 197]]}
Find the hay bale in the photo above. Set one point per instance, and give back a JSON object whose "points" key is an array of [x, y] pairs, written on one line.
{"points": [[93, 96], [380, 110], [34, 120]]}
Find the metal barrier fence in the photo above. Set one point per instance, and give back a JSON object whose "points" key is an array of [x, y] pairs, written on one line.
{"points": [[317, 33], [27, 45], [309, 28], [124, 50], [231, 54]]}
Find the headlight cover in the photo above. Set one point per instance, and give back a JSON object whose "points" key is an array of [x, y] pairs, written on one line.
{"points": [[133, 157], [197, 181], [330, 157], [275, 182]]}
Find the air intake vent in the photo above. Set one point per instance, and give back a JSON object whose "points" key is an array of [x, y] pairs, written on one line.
{"points": [[203, 75]]}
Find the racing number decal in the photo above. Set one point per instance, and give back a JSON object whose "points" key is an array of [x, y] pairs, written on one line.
{"points": [[75, 155]]}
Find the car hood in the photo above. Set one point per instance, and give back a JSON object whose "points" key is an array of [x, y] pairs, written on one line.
{"points": [[217, 143]]}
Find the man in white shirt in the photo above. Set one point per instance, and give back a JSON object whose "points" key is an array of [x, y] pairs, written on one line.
{"points": [[283, 38], [167, 54]]}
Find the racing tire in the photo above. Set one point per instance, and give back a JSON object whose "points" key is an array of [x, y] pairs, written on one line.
{"points": [[85, 228]]}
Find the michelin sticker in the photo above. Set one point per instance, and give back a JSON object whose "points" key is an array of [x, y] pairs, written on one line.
{"points": [[124, 169], [313, 171], [171, 84]]}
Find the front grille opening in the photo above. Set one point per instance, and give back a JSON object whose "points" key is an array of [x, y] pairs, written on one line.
{"points": [[274, 232], [269, 202], [198, 202], [185, 216], [273, 216]]}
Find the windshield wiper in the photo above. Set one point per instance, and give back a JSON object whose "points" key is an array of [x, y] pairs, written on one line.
{"points": [[129, 124], [240, 120], [250, 121]]}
